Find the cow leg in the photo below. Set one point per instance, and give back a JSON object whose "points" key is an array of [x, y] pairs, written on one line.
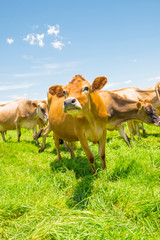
{"points": [[35, 134], [18, 132], [136, 124], [131, 129], [66, 146], [101, 150], [46, 131], [124, 135], [144, 131], [71, 149], [3, 137], [56, 143], [89, 154]]}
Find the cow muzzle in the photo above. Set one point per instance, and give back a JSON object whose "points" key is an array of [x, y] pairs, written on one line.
{"points": [[71, 105], [45, 117], [156, 121]]}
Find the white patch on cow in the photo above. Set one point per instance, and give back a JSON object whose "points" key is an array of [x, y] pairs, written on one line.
{"points": [[28, 124]]}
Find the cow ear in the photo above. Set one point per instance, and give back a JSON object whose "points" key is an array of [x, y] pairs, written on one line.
{"points": [[35, 103], [56, 90], [146, 101], [98, 83], [44, 101], [139, 105]]}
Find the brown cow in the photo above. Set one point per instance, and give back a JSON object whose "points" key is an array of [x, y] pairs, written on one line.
{"points": [[137, 94], [77, 113], [22, 113], [120, 109]]}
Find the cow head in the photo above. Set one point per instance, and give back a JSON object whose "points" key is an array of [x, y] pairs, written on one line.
{"points": [[78, 94], [146, 113], [41, 109]]}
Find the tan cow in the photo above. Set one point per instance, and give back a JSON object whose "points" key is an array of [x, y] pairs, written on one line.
{"points": [[77, 113], [22, 113], [120, 110], [137, 94]]}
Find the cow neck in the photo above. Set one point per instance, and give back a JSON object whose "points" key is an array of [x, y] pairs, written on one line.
{"points": [[121, 107], [34, 115], [150, 94], [97, 115], [154, 100]]}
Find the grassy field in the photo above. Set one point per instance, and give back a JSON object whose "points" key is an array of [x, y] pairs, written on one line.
{"points": [[41, 198]]}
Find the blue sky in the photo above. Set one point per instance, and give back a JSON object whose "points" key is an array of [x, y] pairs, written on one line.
{"points": [[43, 43]]}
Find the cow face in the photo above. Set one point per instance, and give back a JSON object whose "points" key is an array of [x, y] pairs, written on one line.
{"points": [[147, 113], [42, 110], [77, 96], [78, 93]]}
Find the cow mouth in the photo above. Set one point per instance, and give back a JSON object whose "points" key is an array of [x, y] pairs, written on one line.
{"points": [[157, 123], [72, 110]]}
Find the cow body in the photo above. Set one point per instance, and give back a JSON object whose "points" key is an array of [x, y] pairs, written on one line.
{"points": [[22, 113], [77, 113], [138, 94]]}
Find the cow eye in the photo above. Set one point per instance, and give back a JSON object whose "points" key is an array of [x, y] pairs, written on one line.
{"points": [[42, 110], [64, 93], [148, 110], [86, 88]]}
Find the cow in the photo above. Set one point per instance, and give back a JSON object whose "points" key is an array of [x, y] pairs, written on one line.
{"points": [[151, 94], [77, 113], [120, 110], [22, 113]]}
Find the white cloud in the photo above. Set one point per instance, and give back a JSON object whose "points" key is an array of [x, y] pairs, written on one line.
{"points": [[53, 30], [129, 81], [17, 96], [30, 38], [154, 79], [52, 66], [31, 74], [40, 40], [10, 87], [26, 57], [35, 39], [35, 27], [57, 44], [9, 40], [69, 42], [110, 85], [134, 60]]}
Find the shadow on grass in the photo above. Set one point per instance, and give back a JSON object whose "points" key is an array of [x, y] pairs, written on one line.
{"points": [[146, 135], [13, 212], [83, 174]]}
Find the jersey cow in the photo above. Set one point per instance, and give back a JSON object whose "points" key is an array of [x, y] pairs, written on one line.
{"points": [[137, 94], [22, 113], [120, 110], [77, 113]]}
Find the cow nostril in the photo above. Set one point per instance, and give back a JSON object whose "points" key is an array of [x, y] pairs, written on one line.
{"points": [[73, 100]]}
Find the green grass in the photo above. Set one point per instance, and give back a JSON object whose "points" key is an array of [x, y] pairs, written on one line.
{"points": [[41, 198]]}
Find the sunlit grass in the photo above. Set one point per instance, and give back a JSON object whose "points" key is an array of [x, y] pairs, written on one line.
{"points": [[41, 198]]}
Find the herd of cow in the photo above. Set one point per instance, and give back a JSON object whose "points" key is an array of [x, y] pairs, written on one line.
{"points": [[82, 111]]}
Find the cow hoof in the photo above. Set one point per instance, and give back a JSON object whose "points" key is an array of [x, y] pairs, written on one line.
{"points": [[41, 150]]}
